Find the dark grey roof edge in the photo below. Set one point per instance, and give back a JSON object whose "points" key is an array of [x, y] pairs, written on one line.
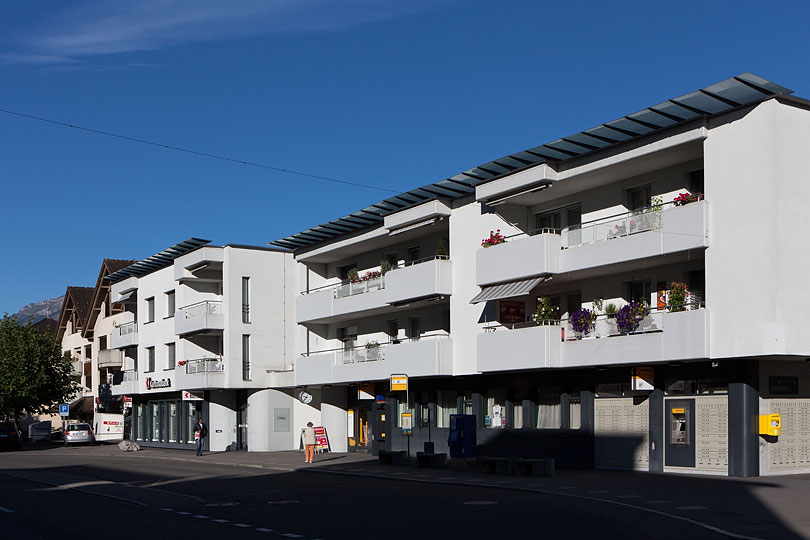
{"points": [[159, 260], [563, 151]]}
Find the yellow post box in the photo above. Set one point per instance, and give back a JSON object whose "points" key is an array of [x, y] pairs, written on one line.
{"points": [[770, 424]]}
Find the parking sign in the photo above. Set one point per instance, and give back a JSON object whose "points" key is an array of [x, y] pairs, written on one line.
{"points": [[64, 410]]}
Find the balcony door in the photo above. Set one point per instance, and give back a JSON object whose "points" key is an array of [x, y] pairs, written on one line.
{"points": [[569, 217]]}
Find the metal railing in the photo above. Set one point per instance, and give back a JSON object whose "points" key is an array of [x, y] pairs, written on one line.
{"points": [[394, 342], [606, 326], [206, 307], [205, 365], [130, 375], [422, 260], [128, 328], [360, 354]]}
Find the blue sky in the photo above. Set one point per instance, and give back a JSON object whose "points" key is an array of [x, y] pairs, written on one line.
{"points": [[394, 94]]}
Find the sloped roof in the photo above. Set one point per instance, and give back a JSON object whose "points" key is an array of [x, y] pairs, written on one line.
{"points": [[78, 299], [719, 98], [157, 261], [101, 290]]}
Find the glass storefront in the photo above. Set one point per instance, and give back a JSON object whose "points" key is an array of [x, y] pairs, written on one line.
{"points": [[166, 421]]}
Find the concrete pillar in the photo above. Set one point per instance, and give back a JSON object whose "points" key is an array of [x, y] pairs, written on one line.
{"points": [[656, 449], [743, 411], [334, 417]]}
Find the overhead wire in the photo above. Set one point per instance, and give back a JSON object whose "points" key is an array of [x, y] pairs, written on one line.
{"points": [[195, 152]]}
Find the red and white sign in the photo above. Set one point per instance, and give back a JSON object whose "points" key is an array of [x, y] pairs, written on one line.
{"points": [[321, 440], [191, 396], [126, 399]]}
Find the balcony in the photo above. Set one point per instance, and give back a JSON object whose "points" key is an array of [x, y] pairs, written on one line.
{"points": [[651, 232], [127, 384], [110, 358], [417, 280], [126, 335], [77, 367], [663, 336], [519, 347], [199, 317], [427, 357], [200, 374]]}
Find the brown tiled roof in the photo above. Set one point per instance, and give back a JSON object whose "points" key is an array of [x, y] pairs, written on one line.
{"points": [[114, 265], [101, 290], [46, 326], [78, 298]]}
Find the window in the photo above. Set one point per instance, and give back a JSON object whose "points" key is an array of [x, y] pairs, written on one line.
{"points": [[696, 181], [446, 404], [392, 330], [150, 359], [173, 425], [517, 415], [170, 304], [402, 407], [343, 271], [413, 254], [574, 411], [170, 359], [548, 409], [559, 219], [783, 386], [446, 320], [639, 291], [495, 409], [155, 421], [413, 328], [639, 197], [102, 343], [150, 309], [245, 300], [245, 358], [392, 258], [348, 336], [193, 411]]}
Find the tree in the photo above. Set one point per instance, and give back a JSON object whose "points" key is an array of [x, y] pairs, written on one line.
{"points": [[34, 374]]}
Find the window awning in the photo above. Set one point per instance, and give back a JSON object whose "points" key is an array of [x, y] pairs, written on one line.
{"points": [[124, 297], [507, 290], [412, 226]]}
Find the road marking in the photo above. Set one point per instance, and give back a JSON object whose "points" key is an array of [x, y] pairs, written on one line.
{"points": [[628, 496], [292, 535], [695, 507], [262, 529], [184, 513], [201, 516], [659, 501], [243, 525], [221, 521], [6, 510], [168, 509]]}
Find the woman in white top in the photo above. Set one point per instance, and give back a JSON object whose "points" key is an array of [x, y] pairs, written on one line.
{"points": [[309, 443]]}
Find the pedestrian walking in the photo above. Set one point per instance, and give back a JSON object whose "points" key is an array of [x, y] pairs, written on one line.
{"points": [[309, 443], [200, 433]]}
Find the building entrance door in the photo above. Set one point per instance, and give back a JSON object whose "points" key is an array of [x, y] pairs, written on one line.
{"points": [[241, 420]]}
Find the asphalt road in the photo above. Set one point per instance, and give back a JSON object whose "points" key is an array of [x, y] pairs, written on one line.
{"points": [[70, 494]]}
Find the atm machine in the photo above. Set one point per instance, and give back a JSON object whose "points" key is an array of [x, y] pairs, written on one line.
{"points": [[679, 427]]}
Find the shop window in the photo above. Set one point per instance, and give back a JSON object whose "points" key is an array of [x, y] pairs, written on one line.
{"points": [[192, 413], [495, 409], [574, 411], [467, 403], [614, 389], [446, 404], [424, 414], [156, 424], [548, 410], [173, 423], [402, 407], [517, 415], [139, 419]]}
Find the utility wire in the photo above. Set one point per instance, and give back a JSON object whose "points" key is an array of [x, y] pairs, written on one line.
{"points": [[194, 152]]}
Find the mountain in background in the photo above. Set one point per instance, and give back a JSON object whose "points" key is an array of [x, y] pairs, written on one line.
{"points": [[41, 310]]}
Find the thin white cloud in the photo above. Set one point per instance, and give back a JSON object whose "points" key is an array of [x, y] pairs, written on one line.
{"points": [[99, 27]]}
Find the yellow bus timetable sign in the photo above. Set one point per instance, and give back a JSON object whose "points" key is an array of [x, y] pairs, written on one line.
{"points": [[399, 383]]}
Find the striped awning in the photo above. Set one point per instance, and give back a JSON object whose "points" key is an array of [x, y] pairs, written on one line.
{"points": [[412, 226], [508, 290]]}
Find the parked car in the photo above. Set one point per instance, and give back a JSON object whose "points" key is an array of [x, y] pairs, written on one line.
{"points": [[10, 437], [79, 433]]}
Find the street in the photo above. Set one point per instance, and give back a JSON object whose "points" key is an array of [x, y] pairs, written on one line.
{"points": [[84, 492]]}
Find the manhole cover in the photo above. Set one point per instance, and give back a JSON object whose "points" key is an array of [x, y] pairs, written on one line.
{"points": [[480, 503], [283, 502], [223, 504]]}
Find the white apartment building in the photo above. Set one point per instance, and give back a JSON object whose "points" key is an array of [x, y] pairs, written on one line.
{"points": [[671, 243], [205, 334]]}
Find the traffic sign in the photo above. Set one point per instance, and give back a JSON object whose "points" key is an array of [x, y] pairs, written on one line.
{"points": [[399, 382], [64, 410]]}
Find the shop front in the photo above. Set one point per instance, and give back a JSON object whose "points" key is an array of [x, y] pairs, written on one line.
{"points": [[167, 420]]}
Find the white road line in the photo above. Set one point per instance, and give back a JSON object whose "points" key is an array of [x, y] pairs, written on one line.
{"points": [[6, 510], [628, 496], [243, 525], [184, 513], [221, 521], [168, 509], [262, 529], [201, 516], [659, 501], [292, 535], [694, 507]]}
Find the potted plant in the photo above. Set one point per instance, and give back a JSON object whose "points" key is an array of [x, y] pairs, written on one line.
{"points": [[352, 275], [495, 238], [610, 310], [385, 266], [686, 198], [372, 344], [630, 316], [546, 314], [678, 293], [441, 249], [582, 321]]}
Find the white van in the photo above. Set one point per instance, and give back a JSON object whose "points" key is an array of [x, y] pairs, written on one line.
{"points": [[109, 427]]}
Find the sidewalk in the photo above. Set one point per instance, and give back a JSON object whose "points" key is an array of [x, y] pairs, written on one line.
{"points": [[761, 508]]}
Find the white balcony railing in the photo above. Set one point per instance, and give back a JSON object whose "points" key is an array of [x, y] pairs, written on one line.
{"points": [[130, 375], [206, 307], [205, 365], [128, 328], [359, 287], [647, 219], [360, 354]]}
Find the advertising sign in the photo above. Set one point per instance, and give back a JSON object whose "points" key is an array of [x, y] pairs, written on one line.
{"points": [[321, 440], [643, 379], [399, 382], [407, 424], [192, 396]]}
